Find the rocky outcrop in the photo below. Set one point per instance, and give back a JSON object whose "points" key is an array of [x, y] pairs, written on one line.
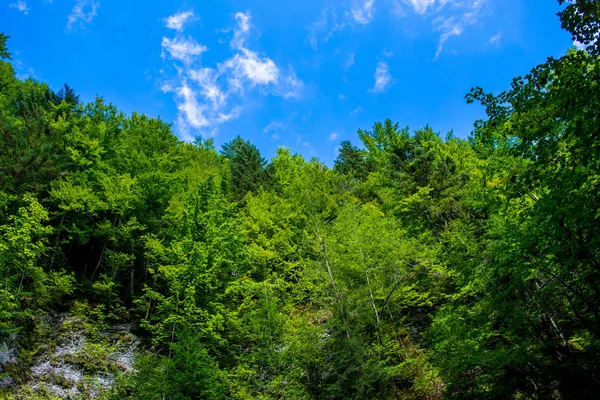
{"points": [[74, 363]]}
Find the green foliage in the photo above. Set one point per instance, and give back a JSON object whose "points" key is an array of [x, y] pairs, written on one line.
{"points": [[419, 267], [246, 164], [4, 54], [580, 18], [352, 161], [27, 287], [190, 373]]}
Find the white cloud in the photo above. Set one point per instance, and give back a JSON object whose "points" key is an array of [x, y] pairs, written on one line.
{"points": [[495, 39], [255, 69], [243, 20], [362, 11], [383, 78], [23, 70], [449, 28], [21, 6], [356, 111], [177, 21], [324, 28], [397, 8], [193, 111], [289, 86], [83, 12], [455, 25], [275, 126], [349, 61], [241, 33], [207, 97], [206, 78], [333, 136], [247, 64], [578, 45], [182, 49], [421, 6], [450, 17]]}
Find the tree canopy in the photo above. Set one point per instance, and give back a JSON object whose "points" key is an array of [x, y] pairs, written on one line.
{"points": [[421, 266]]}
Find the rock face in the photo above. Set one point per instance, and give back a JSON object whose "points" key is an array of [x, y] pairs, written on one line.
{"points": [[8, 355], [73, 363]]}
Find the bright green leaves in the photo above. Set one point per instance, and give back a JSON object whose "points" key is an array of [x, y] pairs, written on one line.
{"points": [[275, 231], [119, 193], [417, 267], [76, 198], [529, 285], [26, 285], [191, 268], [191, 373]]}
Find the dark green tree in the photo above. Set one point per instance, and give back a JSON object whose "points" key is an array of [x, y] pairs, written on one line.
{"points": [[352, 161], [581, 19], [4, 54], [246, 164]]}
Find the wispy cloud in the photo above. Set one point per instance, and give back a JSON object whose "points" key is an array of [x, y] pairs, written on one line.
{"points": [[82, 13], [333, 136], [182, 49], [324, 28], [455, 25], [248, 66], [495, 40], [421, 6], [356, 111], [207, 97], [362, 11], [349, 61], [275, 126], [257, 70], [449, 27], [22, 69], [21, 6], [449, 17], [177, 21], [383, 78], [397, 8]]}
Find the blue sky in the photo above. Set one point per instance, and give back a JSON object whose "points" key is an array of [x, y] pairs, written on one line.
{"points": [[301, 74]]}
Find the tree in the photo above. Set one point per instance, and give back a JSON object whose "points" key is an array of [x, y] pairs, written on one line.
{"points": [[66, 94], [4, 54], [580, 18], [246, 165], [352, 161]]}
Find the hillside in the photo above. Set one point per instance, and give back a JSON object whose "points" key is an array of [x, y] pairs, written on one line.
{"points": [[134, 265]]}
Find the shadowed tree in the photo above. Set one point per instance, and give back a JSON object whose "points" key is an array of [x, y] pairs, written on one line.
{"points": [[246, 164], [352, 161], [4, 54]]}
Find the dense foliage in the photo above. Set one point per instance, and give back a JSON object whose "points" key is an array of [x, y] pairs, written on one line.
{"points": [[419, 267]]}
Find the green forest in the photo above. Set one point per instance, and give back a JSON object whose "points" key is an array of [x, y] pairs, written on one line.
{"points": [[420, 266]]}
